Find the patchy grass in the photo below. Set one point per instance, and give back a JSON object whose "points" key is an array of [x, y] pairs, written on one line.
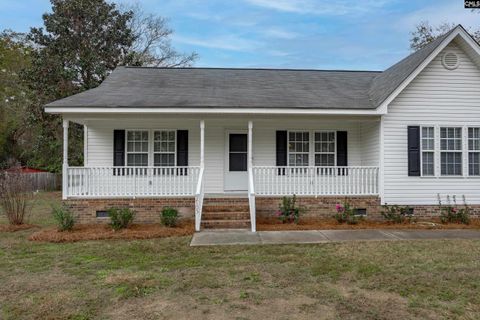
{"points": [[165, 278], [271, 224]]}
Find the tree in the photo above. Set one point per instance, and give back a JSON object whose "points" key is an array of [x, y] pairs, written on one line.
{"points": [[152, 45], [14, 57], [80, 44], [424, 33]]}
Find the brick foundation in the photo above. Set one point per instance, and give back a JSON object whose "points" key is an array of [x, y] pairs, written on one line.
{"points": [[147, 210], [324, 207], [320, 207]]}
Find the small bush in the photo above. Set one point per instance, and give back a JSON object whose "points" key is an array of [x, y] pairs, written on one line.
{"points": [[64, 218], [288, 210], [397, 214], [452, 213], [15, 196], [346, 214], [120, 218], [169, 217]]}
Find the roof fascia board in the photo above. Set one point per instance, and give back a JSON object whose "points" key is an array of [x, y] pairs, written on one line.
{"points": [[70, 110], [425, 62]]}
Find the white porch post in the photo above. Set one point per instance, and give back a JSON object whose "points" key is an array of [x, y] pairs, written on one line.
{"points": [[85, 145], [202, 144], [251, 191], [250, 148], [65, 160]]}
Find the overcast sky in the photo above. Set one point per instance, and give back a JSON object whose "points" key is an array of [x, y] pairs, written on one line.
{"points": [[314, 34]]}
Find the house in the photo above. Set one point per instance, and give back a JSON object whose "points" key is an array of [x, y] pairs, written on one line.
{"points": [[227, 144]]}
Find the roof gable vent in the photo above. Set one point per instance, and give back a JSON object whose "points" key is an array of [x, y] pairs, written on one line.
{"points": [[450, 60]]}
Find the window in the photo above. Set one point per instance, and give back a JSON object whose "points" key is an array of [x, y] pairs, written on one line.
{"points": [[474, 151], [137, 148], [428, 151], [324, 148], [164, 148], [451, 151], [298, 148]]}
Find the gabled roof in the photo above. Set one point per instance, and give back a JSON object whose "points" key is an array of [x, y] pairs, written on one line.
{"points": [[227, 88], [386, 82]]}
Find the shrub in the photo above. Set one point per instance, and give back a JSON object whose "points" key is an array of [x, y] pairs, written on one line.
{"points": [[452, 213], [346, 214], [396, 214], [169, 217], [120, 218], [15, 196], [63, 217], [289, 211]]}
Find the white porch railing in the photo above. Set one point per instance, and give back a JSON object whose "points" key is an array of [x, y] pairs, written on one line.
{"points": [[94, 182], [277, 181], [199, 195]]}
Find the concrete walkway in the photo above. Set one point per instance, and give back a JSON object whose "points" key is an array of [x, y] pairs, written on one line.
{"points": [[245, 237]]}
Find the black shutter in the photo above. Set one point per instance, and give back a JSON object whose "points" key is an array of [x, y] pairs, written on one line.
{"points": [[342, 147], [414, 151], [342, 153], [182, 150], [118, 148], [281, 151], [118, 151]]}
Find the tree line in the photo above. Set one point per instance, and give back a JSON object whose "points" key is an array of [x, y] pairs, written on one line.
{"points": [[79, 44]]}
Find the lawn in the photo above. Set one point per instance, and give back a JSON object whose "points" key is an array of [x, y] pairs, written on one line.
{"points": [[165, 278]]}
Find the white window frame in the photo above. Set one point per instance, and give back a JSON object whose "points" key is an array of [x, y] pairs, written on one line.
{"points": [[470, 151], [461, 150], [134, 152], [150, 145], [295, 152], [163, 152], [433, 151], [320, 152]]}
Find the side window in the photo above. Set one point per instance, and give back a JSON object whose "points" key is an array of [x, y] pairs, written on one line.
{"points": [[428, 151], [474, 151], [451, 151]]}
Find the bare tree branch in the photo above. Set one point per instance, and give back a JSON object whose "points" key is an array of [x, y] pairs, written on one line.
{"points": [[152, 45]]}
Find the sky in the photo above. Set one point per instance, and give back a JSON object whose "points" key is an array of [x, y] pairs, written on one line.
{"points": [[300, 34]]}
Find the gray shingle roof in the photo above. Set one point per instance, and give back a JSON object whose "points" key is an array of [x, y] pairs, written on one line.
{"points": [[237, 88], [248, 88]]}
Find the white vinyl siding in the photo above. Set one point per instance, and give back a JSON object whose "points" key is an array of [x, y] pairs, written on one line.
{"points": [[100, 138], [436, 98]]}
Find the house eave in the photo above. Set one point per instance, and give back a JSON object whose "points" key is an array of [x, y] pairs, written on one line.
{"points": [[278, 111]]}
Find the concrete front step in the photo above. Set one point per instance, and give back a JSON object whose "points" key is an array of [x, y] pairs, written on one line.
{"points": [[229, 215], [226, 224]]}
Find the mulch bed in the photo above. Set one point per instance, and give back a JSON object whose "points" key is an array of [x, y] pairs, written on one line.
{"points": [[104, 232], [264, 224], [17, 227]]}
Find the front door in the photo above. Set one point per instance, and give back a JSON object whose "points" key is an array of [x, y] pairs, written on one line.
{"points": [[236, 177]]}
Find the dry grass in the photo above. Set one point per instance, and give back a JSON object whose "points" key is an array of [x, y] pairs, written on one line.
{"points": [[272, 224], [104, 232], [16, 227], [167, 279]]}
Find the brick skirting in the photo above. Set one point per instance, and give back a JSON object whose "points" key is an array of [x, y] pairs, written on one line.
{"points": [[147, 210], [320, 207]]}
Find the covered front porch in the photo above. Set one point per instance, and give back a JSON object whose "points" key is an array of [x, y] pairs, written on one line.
{"points": [[192, 156]]}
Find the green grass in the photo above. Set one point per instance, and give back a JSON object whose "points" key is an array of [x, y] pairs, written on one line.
{"points": [[165, 278]]}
